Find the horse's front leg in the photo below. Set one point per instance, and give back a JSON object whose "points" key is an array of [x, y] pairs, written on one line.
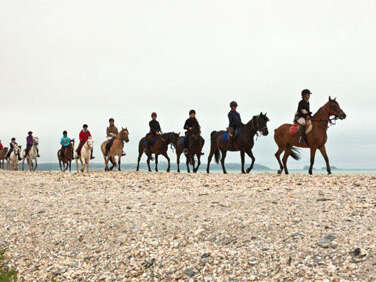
{"points": [[313, 153], [119, 162], [168, 161], [242, 156], [323, 153], [148, 162], [198, 162], [178, 161], [156, 162], [36, 164], [250, 154], [187, 163]]}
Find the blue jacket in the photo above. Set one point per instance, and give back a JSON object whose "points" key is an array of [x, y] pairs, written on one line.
{"points": [[65, 141], [235, 120]]}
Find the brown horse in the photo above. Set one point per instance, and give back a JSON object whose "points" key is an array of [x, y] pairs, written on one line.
{"points": [[195, 145], [3, 154], [244, 142], [159, 147], [316, 138], [65, 161], [116, 149]]}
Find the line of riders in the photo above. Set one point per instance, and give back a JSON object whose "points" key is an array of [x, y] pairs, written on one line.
{"points": [[302, 118]]}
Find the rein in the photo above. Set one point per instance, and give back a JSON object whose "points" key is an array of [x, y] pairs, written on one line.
{"points": [[331, 121]]}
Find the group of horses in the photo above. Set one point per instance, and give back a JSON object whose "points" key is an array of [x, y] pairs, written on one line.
{"points": [[12, 162], [221, 142]]}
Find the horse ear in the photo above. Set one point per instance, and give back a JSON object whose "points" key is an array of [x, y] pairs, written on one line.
{"points": [[330, 98], [335, 98]]}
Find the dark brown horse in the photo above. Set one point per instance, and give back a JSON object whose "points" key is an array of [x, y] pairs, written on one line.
{"points": [[65, 161], [316, 138], [244, 142], [195, 145], [159, 147]]}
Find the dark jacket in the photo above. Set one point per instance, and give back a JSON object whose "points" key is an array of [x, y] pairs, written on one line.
{"points": [[191, 122], [303, 105], [154, 126], [235, 120]]}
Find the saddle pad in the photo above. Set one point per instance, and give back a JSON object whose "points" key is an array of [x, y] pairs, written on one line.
{"points": [[152, 141], [225, 137], [293, 129], [182, 141]]}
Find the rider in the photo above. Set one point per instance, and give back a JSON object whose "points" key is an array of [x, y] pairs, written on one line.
{"points": [[111, 133], [303, 114], [155, 130], [11, 148], [190, 123], [234, 120], [29, 144], [84, 136], [65, 142]]}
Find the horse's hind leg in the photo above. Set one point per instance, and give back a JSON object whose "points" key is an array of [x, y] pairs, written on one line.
{"points": [[156, 162], [210, 157], [250, 154], [138, 161], [198, 163], [148, 162], [242, 155], [178, 161], [36, 164], [223, 161], [187, 163], [119, 163], [323, 152], [284, 160], [313, 153], [278, 157]]}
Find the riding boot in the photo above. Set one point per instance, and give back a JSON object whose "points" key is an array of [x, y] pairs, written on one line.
{"points": [[19, 157], [302, 136], [123, 154], [91, 155], [38, 153]]}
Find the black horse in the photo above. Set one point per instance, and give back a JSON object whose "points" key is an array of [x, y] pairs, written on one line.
{"points": [[159, 147], [195, 145], [243, 141]]}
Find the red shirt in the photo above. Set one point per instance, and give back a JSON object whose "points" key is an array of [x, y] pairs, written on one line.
{"points": [[1, 146], [84, 135]]}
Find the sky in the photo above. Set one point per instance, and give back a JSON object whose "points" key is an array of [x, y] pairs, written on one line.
{"points": [[65, 63]]}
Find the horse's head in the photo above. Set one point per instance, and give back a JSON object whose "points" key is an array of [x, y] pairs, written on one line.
{"points": [[36, 141], [124, 134], [90, 142], [173, 138], [333, 109], [259, 123], [17, 148]]}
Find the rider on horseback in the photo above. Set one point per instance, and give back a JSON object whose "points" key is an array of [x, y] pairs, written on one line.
{"points": [[84, 136], [29, 144], [190, 123], [65, 142], [111, 133], [235, 122], [303, 115], [11, 146], [155, 131]]}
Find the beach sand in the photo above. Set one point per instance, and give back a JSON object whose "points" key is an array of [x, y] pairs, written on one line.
{"points": [[145, 226]]}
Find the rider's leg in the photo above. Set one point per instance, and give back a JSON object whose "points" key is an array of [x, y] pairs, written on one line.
{"points": [[302, 127], [108, 145], [79, 148], [91, 155], [62, 152], [38, 153], [8, 154]]}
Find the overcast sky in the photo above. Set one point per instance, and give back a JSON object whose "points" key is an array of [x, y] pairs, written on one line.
{"points": [[65, 63]]}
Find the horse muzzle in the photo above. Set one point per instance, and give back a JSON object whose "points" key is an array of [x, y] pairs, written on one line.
{"points": [[342, 116]]}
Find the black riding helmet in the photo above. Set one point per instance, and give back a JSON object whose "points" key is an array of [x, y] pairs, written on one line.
{"points": [[233, 104], [13, 139], [30, 132], [192, 112], [306, 91], [85, 126], [111, 119], [65, 132]]}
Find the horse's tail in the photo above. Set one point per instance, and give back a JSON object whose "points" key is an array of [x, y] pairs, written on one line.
{"points": [[214, 146], [294, 152]]}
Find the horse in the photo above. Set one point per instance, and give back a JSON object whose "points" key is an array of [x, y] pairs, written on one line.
{"points": [[244, 142], [32, 156], [195, 145], [85, 155], [115, 150], [3, 153], [65, 161], [12, 162], [317, 138], [159, 147]]}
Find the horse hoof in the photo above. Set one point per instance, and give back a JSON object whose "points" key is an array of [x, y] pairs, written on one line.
{"points": [[279, 171]]}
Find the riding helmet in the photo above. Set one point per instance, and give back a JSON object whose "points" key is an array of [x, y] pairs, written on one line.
{"points": [[192, 112], [233, 104], [111, 119], [306, 91], [65, 132], [85, 126], [154, 114], [30, 132], [13, 139]]}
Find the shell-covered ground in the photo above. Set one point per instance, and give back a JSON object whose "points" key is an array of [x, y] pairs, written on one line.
{"points": [[166, 226]]}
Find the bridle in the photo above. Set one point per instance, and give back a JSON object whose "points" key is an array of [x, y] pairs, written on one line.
{"points": [[256, 128], [332, 121]]}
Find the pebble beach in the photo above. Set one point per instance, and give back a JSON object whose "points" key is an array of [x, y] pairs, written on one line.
{"points": [[139, 226]]}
